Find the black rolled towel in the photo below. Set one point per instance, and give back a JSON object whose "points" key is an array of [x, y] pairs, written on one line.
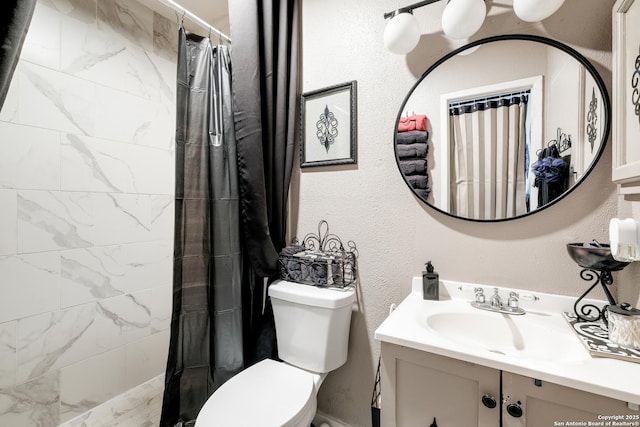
{"points": [[412, 137], [418, 181], [413, 167], [417, 151]]}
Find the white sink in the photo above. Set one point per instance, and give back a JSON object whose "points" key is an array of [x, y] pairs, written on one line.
{"points": [[532, 336]]}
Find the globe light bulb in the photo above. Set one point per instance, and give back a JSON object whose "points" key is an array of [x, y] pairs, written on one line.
{"points": [[402, 33], [535, 10], [462, 18]]}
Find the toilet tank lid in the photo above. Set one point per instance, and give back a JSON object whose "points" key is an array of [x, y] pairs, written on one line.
{"points": [[312, 295]]}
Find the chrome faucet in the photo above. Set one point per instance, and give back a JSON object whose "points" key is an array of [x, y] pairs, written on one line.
{"points": [[495, 302]]}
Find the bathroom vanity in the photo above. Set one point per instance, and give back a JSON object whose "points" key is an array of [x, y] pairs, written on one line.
{"points": [[467, 367]]}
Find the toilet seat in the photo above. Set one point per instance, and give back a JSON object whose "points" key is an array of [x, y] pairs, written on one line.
{"points": [[268, 393]]}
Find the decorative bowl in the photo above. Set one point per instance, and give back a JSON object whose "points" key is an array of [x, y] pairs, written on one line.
{"points": [[594, 257]]}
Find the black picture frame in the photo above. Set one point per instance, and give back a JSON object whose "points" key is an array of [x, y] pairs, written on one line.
{"points": [[328, 126]]}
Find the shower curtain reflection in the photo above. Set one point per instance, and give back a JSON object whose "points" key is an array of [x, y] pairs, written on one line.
{"points": [[488, 153], [206, 326]]}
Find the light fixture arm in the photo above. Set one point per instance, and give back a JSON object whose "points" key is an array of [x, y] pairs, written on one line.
{"points": [[408, 9]]}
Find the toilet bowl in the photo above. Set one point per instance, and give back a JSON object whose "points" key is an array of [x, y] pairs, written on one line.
{"points": [[312, 329], [268, 393]]}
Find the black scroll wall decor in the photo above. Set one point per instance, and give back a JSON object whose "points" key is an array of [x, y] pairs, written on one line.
{"points": [[635, 81], [592, 120], [327, 128]]}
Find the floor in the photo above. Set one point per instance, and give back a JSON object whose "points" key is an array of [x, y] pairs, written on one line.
{"points": [[139, 407]]}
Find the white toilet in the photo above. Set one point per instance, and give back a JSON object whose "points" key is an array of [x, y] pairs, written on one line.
{"points": [[312, 328]]}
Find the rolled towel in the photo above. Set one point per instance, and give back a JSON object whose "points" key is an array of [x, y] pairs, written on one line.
{"points": [[412, 137], [292, 249], [413, 167], [424, 193], [417, 151], [414, 122], [418, 181]]}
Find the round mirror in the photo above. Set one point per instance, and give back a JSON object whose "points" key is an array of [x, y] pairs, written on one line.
{"points": [[502, 128]]}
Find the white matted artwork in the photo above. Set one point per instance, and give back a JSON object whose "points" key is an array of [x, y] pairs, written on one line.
{"points": [[328, 126]]}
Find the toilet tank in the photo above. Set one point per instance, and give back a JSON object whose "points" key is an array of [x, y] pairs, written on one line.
{"points": [[312, 324]]}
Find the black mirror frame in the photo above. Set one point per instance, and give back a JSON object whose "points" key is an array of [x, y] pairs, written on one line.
{"points": [[526, 37]]}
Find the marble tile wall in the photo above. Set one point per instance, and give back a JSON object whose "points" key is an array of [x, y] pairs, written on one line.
{"points": [[86, 209]]}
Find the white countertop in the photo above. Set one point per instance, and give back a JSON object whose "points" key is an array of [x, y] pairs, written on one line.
{"points": [[568, 362]]}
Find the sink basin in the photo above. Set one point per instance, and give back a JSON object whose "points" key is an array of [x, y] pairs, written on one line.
{"points": [[531, 336]]}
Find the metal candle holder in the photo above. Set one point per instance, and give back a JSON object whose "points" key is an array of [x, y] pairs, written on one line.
{"points": [[597, 263]]}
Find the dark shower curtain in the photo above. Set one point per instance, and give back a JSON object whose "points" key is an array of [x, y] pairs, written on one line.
{"points": [[265, 74], [206, 346], [15, 17]]}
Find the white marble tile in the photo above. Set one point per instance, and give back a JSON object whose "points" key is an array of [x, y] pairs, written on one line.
{"points": [[53, 340], [9, 110], [49, 220], [42, 44], [129, 118], [94, 274], [162, 217], [123, 319], [121, 218], [148, 265], [128, 19], [147, 358], [165, 37], [82, 10], [108, 60], [161, 308], [8, 357], [91, 382], [153, 170], [54, 100], [29, 157], [30, 285], [139, 406], [91, 274], [8, 222], [91, 164], [35, 403]]}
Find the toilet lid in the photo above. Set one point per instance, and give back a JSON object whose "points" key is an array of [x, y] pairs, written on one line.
{"points": [[268, 393]]}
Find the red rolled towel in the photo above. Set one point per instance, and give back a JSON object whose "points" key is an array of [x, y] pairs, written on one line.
{"points": [[414, 122]]}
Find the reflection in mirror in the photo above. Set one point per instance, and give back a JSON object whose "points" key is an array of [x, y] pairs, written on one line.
{"points": [[502, 128]]}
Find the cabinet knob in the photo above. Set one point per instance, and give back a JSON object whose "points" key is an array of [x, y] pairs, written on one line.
{"points": [[514, 409], [489, 401]]}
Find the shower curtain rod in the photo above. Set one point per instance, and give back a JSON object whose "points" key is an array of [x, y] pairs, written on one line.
{"points": [[194, 18]]}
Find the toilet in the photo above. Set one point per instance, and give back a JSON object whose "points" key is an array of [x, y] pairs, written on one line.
{"points": [[312, 329]]}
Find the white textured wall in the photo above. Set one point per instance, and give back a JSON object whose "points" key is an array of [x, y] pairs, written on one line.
{"points": [[86, 209], [370, 204]]}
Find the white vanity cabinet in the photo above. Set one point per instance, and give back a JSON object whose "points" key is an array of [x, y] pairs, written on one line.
{"points": [[547, 404], [418, 386]]}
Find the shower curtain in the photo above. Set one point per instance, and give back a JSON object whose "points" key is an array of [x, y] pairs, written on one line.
{"points": [[265, 74], [15, 17], [206, 345], [488, 154]]}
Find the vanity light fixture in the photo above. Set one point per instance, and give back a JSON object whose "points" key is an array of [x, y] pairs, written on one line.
{"points": [[460, 20]]}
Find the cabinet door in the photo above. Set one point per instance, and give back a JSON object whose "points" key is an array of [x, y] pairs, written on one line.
{"points": [[418, 387], [548, 404]]}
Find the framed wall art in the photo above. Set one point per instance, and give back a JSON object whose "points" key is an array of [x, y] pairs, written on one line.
{"points": [[328, 126], [626, 96]]}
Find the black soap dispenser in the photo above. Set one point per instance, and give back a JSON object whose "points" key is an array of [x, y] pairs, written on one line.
{"points": [[430, 283]]}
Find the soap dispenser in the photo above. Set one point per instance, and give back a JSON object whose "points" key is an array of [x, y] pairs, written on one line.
{"points": [[430, 283]]}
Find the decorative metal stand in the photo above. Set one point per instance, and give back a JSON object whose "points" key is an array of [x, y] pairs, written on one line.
{"points": [[587, 312]]}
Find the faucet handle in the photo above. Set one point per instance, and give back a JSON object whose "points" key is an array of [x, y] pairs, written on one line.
{"points": [[479, 295], [512, 302]]}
